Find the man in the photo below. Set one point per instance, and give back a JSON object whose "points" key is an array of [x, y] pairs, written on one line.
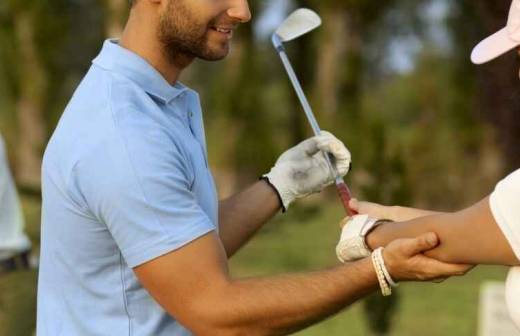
{"points": [[485, 233], [14, 244], [134, 241]]}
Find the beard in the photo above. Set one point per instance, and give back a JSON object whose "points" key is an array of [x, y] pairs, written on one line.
{"points": [[184, 37]]}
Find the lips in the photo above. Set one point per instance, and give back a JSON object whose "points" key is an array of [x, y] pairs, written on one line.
{"points": [[224, 28]]}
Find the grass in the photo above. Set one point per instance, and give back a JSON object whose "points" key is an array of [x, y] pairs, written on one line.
{"points": [[299, 241], [18, 290]]}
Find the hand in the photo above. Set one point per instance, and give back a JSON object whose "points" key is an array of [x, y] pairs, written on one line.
{"points": [[352, 244], [392, 213], [405, 260], [303, 170]]}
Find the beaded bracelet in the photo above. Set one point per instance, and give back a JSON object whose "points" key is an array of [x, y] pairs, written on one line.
{"points": [[386, 290], [388, 277]]}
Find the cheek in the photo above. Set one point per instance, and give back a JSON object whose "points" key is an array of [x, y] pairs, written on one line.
{"points": [[513, 294], [207, 10]]}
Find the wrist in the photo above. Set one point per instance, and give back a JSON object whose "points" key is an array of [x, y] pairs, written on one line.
{"points": [[265, 179], [374, 238], [365, 270]]}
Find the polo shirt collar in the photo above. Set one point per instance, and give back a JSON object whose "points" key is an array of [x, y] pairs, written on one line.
{"points": [[115, 58]]}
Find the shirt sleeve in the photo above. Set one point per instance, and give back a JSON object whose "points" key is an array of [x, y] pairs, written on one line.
{"points": [[138, 184], [505, 206]]}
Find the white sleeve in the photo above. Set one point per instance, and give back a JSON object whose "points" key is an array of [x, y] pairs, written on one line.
{"points": [[505, 206]]}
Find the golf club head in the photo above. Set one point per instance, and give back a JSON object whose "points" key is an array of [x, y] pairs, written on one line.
{"points": [[299, 23]]}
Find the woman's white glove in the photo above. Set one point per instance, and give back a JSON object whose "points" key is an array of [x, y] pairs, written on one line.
{"points": [[303, 170], [352, 244]]}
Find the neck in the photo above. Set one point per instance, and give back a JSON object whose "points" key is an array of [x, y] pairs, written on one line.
{"points": [[142, 39]]}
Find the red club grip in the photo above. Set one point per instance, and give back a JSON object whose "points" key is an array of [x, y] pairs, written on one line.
{"points": [[345, 196]]}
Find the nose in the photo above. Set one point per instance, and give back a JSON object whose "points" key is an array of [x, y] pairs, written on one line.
{"points": [[240, 11]]}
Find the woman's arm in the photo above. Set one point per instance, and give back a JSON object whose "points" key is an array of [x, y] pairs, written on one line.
{"points": [[470, 236], [392, 213]]}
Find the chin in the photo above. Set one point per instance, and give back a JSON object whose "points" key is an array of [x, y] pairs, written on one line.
{"points": [[215, 54]]}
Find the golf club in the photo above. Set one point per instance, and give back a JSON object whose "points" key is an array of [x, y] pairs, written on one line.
{"points": [[299, 23]]}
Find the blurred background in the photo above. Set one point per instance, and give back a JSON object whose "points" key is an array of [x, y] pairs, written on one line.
{"points": [[391, 78]]}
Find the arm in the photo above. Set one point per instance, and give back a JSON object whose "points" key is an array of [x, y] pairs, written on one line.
{"points": [[393, 213], [242, 215], [300, 171], [470, 236], [194, 286]]}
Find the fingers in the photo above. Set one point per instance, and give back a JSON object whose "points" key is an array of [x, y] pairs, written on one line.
{"points": [[328, 143], [435, 270], [373, 210], [423, 243], [354, 204]]}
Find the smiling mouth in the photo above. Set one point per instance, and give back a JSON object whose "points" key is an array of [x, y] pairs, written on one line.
{"points": [[228, 32]]}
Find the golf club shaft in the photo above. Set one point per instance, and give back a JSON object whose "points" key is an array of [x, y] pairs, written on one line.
{"points": [[343, 190]]}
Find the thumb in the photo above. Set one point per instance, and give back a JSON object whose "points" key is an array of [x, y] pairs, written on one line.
{"points": [[354, 204], [423, 243], [374, 210]]}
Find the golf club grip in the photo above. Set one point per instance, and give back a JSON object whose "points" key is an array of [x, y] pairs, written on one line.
{"points": [[345, 196]]}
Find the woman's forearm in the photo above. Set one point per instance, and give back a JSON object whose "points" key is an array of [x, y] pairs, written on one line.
{"points": [[470, 236]]}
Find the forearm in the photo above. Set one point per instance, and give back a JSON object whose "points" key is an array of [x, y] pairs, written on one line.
{"points": [[470, 236], [283, 305], [401, 214], [242, 215]]}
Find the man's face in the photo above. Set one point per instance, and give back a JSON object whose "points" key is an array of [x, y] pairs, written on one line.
{"points": [[200, 28]]}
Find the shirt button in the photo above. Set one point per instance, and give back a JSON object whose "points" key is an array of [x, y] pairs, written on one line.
{"points": [[190, 114]]}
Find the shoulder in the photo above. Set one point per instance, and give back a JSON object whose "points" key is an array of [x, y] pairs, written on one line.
{"points": [[504, 207], [512, 179], [510, 185]]}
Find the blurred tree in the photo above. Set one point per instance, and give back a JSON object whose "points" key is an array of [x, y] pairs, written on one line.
{"points": [[29, 80], [116, 11], [254, 148], [388, 185], [498, 81]]}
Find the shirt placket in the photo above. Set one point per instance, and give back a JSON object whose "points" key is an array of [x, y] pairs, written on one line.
{"points": [[189, 118], [196, 128]]}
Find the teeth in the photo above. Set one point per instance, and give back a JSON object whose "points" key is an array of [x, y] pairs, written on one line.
{"points": [[226, 31]]}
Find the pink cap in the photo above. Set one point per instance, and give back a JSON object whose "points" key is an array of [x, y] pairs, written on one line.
{"points": [[502, 41]]}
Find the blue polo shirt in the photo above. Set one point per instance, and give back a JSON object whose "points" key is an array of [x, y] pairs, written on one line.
{"points": [[125, 180]]}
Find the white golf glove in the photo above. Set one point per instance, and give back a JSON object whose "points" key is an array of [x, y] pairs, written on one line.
{"points": [[352, 245], [303, 170]]}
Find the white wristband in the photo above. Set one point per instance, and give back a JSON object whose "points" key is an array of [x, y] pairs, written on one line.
{"points": [[386, 290], [388, 277]]}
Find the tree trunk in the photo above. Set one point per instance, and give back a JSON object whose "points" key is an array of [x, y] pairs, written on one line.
{"points": [[116, 10], [350, 82], [498, 84], [331, 49], [32, 83]]}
